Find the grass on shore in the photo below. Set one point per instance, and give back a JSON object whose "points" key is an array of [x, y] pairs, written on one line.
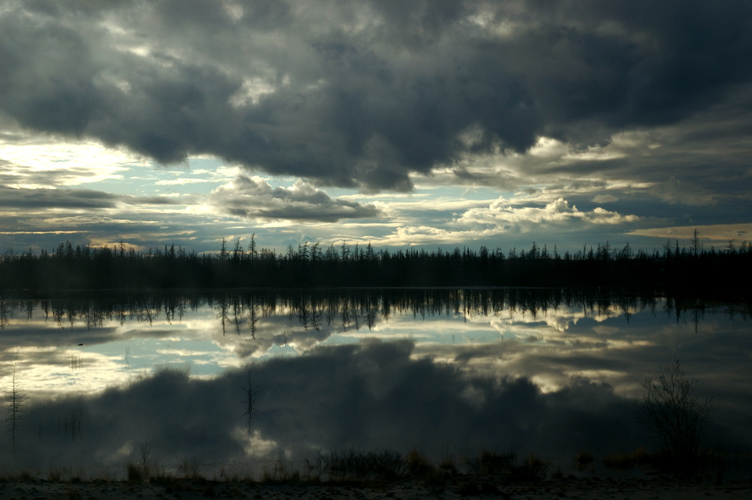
{"points": [[354, 466]]}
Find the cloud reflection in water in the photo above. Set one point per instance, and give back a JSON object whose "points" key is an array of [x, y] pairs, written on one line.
{"points": [[440, 370]]}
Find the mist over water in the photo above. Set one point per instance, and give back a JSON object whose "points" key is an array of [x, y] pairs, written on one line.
{"points": [[442, 370]]}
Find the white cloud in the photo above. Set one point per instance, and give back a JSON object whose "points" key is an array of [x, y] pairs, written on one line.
{"points": [[559, 212], [502, 217], [254, 197]]}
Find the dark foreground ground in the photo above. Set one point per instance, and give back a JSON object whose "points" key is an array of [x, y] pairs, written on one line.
{"points": [[186, 489]]}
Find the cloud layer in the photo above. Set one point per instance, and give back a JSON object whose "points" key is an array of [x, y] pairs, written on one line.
{"points": [[365, 93]]}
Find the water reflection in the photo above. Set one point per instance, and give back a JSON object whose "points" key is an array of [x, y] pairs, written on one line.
{"points": [[543, 370]]}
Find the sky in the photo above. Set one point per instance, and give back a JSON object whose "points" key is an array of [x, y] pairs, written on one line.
{"points": [[432, 123]]}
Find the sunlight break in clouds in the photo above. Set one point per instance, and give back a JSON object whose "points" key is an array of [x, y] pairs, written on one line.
{"points": [[26, 162]]}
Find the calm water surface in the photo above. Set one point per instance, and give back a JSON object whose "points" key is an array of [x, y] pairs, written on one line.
{"points": [[446, 371]]}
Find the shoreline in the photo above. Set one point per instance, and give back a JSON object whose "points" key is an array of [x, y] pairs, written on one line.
{"points": [[454, 488]]}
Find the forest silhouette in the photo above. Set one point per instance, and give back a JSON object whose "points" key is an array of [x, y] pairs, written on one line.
{"points": [[672, 268]]}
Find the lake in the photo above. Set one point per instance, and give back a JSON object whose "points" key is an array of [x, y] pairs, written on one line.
{"points": [[94, 382]]}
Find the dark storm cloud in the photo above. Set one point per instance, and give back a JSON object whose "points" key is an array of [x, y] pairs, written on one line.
{"points": [[363, 93], [37, 199], [54, 198], [21, 174]]}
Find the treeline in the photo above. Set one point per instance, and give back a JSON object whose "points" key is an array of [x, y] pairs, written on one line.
{"points": [[672, 267]]}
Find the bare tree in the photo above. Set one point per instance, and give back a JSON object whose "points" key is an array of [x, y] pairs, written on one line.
{"points": [[250, 391], [15, 401], [252, 248], [4, 311], [695, 242], [674, 411], [146, 460]]}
